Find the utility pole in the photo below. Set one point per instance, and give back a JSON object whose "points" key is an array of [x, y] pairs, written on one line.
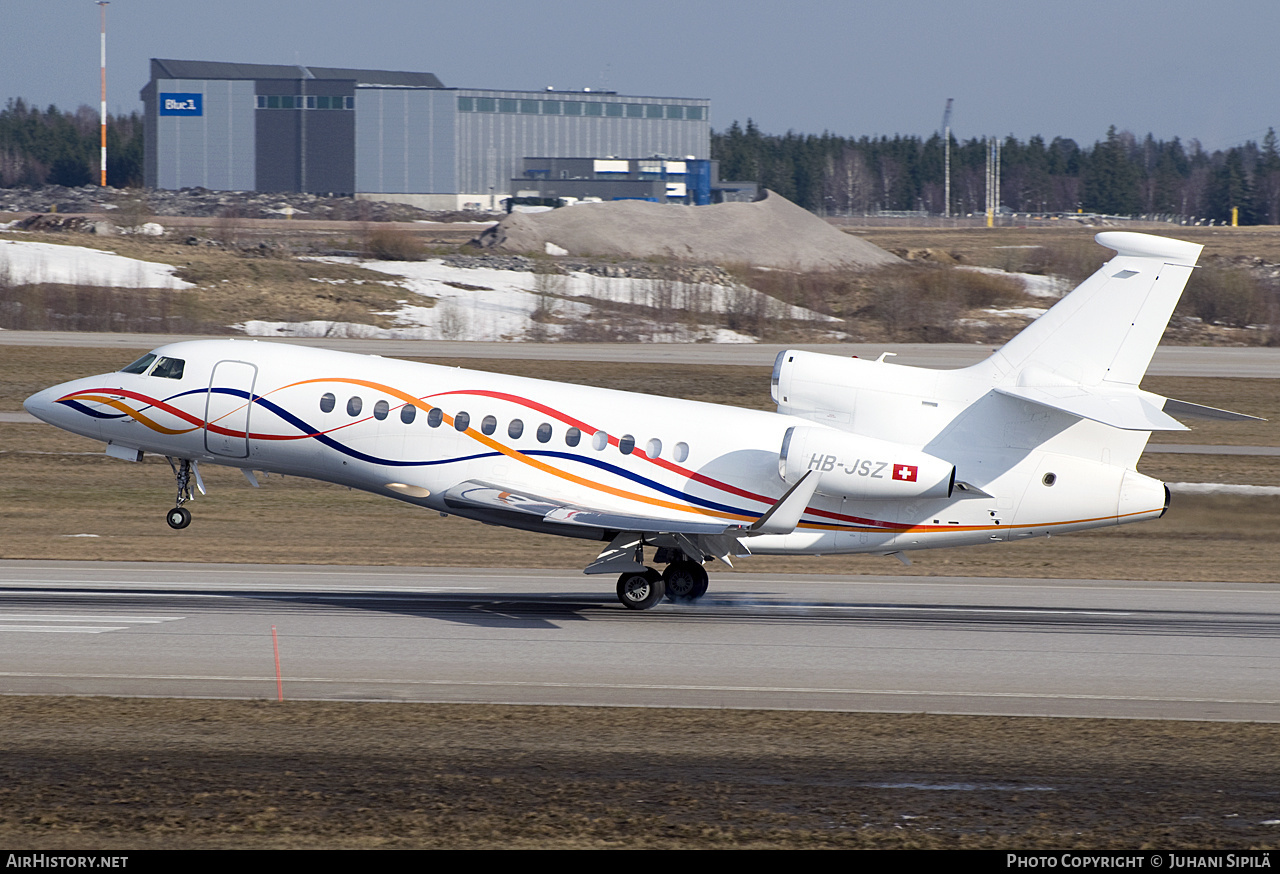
{"points": [[946, 161], [102, 111], [993, 179]]}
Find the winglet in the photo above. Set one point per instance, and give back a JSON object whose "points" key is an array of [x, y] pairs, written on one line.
{"points": [[784, 516]]}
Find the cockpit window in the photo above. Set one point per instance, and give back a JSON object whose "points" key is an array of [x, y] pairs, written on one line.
{"points": [[169, 368], [141, 365]]}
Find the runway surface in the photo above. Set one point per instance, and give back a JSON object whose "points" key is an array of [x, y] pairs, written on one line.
{"points": [[1259, 362], [952, 645]]}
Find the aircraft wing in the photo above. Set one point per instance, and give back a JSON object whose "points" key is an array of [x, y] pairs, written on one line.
{"points": [[486, 496]]}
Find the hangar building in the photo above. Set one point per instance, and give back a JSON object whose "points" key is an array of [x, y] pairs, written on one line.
{"points": [[388, 135]]}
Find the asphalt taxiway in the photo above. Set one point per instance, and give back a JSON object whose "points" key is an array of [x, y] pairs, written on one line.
{"points": [[1112, 648], [1220, 361]]}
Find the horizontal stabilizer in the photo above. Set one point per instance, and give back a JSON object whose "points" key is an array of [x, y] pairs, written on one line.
{"points": [[1128, 410], [1196, 411]]}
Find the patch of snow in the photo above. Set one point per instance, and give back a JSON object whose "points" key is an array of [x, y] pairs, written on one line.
{"points": [[1029, 312], [488, 304], [553, 249], [1034, 284], [23, 263], [147, 229], [1044, 286]]}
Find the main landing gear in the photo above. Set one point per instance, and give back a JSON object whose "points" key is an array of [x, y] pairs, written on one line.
{"points": [[184, 472], [683, 582]]}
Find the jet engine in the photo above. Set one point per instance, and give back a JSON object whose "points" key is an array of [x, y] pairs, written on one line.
{"points": [[863, 468]]}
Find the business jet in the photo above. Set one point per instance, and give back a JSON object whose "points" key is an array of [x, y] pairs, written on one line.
{"points": [[861, 456]]}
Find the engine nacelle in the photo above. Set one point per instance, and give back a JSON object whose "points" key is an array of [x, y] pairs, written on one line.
{"points": [[863, 468]]}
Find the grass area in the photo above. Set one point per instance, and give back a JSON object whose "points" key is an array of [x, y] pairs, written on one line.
{"points": [[142, 774], [1027, 248], [54, 485], [924, 301], [232, 285]]}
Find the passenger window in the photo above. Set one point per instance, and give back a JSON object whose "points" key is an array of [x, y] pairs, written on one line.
{"points": [[354, 405], [654, 448], [169, 368], [408, 413], [599, 441], [489, 425], [515, 429], [461, 421], [141, 365], [327, 402], [681, 452], [572, 436], [626, 443], [544, 432], [435, 417], [380, 410]]}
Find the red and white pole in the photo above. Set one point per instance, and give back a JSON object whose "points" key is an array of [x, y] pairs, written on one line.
{"points": [[102, 115]]}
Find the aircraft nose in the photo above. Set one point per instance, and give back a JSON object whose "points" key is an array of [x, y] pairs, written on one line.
{"points": [[69, 416], [40, 404]]}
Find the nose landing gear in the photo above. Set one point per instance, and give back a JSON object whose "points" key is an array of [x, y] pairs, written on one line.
{"points": [[184, 472]]}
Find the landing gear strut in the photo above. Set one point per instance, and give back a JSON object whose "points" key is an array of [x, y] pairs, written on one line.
{"points": [[184, 471]]}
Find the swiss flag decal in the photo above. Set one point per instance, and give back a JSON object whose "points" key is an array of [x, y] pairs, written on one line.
{"points": [[905, 472]]}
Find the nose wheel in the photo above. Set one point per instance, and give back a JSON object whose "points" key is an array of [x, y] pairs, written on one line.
{"points": [[185, 474], [178, 517]]}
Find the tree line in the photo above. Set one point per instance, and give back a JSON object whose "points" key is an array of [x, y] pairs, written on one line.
{"points": [[52, 146], [1118, 175], [828, 174]]}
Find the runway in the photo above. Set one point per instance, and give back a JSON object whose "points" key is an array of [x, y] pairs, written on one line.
{"points": [[1165, 650], [1221, 361]]}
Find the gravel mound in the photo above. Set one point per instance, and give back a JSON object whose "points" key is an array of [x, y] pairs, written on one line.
{"points": [[772, 232]]}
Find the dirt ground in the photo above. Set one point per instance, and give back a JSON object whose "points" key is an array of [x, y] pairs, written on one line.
{"points": [[103, 774], [1008, 247]]}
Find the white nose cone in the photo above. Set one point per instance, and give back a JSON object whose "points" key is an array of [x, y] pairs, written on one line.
{"points": [[71, 415], [40, 404]]}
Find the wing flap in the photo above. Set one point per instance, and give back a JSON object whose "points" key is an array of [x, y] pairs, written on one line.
{"points": [[487, 496]]}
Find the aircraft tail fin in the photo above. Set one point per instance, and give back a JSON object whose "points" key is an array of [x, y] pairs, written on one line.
{"points": [[1103, 333]]}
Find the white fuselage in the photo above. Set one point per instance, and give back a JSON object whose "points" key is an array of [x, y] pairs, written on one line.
{"points": [[413, 431]]}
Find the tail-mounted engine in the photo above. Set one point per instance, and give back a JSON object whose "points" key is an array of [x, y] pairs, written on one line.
{"points": [[863, 468]]}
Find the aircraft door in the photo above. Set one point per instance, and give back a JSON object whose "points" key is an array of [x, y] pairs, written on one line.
{"points": [[228, 406]]}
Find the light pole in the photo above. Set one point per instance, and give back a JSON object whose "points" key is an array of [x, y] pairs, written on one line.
{"points": [[102, 112]]}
